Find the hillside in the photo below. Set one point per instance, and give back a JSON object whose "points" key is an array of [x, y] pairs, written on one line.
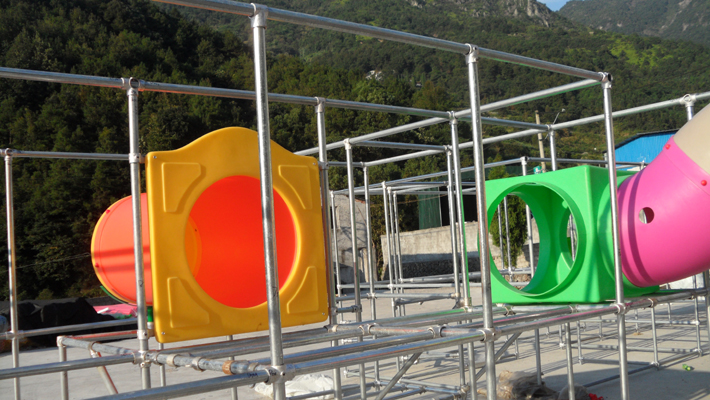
{"points": [[645, 69], [682, 20]]}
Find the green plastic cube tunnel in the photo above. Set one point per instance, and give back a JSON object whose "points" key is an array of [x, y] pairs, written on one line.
{"points": [[583, 193]]}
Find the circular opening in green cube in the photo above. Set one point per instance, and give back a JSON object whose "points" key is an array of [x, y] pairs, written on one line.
{"points": [[556, 241]]}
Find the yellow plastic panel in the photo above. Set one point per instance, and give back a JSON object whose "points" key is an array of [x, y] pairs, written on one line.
{"points": [[195, 295]]}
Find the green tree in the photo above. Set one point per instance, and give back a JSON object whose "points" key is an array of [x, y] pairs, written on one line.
{"points": [[517, 224]]}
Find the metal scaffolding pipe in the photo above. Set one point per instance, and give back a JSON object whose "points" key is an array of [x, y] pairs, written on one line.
{"points": [[12, 270], [134, 161], [258, 24]]}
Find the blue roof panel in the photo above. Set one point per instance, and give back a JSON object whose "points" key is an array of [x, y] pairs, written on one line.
{"points": [[644, 148]]}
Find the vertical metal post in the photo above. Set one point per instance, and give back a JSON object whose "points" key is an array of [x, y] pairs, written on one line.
{"points": [[12, 269], [538, 361], [452, 226], [390, 257], [500, 238], [63, 376], [507, 233], [393, 222], [233, 391], [483, 251], [553, 150], [398, 244], [337, 385], [689, 109], [570, 373], [655, 336], [696, 313], [258, 24], [370, 261], [325, 206], [134, 162], [163, 377], [528, 221], [335, 250], [393, 250], [472, 370], [459, 211], [454, 253], [356, 269], [580, 357], [326, 203], [618, 275]]}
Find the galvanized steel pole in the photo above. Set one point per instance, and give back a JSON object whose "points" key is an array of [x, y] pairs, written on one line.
{"points": [[460, 212], [614, 205], [483, 251], [553, 150], [452, 226], [327, 233], [356, 269], [370, 261], [258, 24], [134, 159], [528, 220], [12, 269]]}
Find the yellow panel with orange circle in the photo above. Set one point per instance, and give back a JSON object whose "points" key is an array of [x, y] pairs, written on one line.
{"points": [[206, 242]]}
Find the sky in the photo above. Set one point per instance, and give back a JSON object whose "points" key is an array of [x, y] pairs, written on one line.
{"points": [[554, 5]]}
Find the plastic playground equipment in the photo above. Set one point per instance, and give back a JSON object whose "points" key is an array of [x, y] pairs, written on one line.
{"points": [[210, 280], [664, 214], [664, 210]]}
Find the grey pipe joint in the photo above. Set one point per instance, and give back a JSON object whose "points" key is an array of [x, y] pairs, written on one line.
{"points": [[280, 373], [261, 13]]}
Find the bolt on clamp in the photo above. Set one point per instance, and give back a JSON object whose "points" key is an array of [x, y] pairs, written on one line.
{"points": [[280, 373], [436, 330], [621, 308], [488, 334]]}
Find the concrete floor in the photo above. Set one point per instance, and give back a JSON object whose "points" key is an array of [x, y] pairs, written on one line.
{"points": [[670, 382]]}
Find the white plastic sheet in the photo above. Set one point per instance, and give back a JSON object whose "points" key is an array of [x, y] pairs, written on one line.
{"points": [[301, 384]]}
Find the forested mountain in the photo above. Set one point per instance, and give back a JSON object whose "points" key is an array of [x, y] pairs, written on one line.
{"points": [[668, 19], [58, 202]]}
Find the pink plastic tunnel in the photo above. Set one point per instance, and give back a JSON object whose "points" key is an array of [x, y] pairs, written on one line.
{"points": [[664, 210]]}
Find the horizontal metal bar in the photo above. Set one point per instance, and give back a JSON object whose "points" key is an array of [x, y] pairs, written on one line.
{"points": [[412, 295], [514, 135], [587, 83], [546, 65], [58, 77], [275, 14], [404, 157], [297, 18], [345, 388], [400, 302], [585, 161], [403, 146], [658, 322], [630, 111], [512, 123], [462, 114], [194, 387], [375, 188], [639, 349], [67, 328], [148, 86], [355, 105], [64, 155], [72, 365], [377, 135]]}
